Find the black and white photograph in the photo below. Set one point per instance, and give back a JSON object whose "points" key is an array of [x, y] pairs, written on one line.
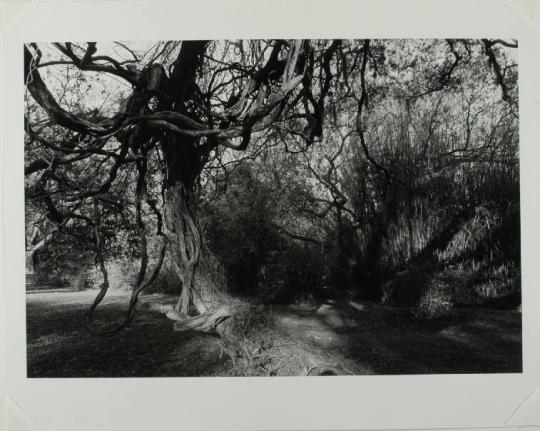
{"points": [[272, 207]]}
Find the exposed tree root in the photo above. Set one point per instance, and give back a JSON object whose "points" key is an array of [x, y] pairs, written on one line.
{"points": [[207, 322], [227, 320]]}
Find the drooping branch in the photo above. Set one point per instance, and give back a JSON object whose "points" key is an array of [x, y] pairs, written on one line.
{"points": [[296, 236], [140, 283], [362, 102], [493, 62], [101, 261], [42, 95], [512, 44], [133, 300], [444, 76]]}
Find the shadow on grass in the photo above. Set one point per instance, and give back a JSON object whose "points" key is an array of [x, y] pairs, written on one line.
{"points": [[389, 340], [59, 346], [364, 338]]}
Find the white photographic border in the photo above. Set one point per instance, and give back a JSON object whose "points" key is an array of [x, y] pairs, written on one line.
{"points": [[275, 403]]}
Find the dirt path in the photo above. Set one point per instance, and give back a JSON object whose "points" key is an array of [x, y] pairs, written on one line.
{"points": [[354, 337], [369, 338]]}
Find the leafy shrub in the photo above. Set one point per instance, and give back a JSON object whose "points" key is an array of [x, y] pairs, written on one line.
{"points": [[240, 228]]}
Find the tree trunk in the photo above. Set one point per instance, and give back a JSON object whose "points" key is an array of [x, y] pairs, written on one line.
{"points": [[204, 303], [29, 259], [30, 253]]}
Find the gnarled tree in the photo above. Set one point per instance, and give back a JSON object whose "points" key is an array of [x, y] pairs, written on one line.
{"points": [[210, 95]]}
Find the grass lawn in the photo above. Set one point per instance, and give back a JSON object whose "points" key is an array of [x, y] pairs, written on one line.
{"points": [[359, 338]]}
